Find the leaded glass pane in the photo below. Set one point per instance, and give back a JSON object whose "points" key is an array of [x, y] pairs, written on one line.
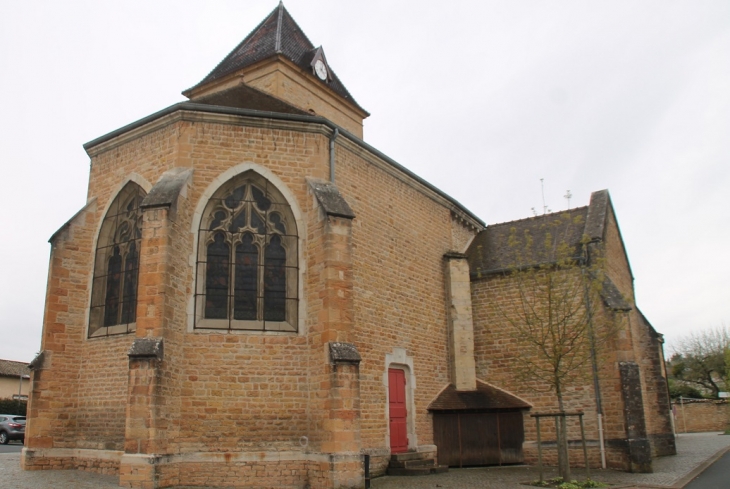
{"points": [[219, 217], [113, 283], [235, 197], [257, 223], [239, 222], [216, 282], [275, 281], [246, 288], [262, 202], [129, 304]]}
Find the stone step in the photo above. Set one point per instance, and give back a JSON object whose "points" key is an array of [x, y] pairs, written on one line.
{"points": [[410, 456], [411, 464], [413, 471], [407, 472]]}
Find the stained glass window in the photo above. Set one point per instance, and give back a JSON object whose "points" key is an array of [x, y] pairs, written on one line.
{"points": [[116, 266], [247, 259]]}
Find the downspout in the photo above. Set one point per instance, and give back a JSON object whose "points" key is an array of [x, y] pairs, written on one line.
{"points": [[332, 154], [594, 362], [660, 340]]}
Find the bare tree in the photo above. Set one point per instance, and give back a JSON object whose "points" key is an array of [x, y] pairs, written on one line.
{"points": [[700, 359], [557, 319]]}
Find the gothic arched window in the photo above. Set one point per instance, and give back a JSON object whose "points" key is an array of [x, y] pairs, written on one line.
{"points": [[116, 266], [247, 259]]}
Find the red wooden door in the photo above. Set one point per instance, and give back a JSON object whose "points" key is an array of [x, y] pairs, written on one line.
{"points": [[397, 404]]}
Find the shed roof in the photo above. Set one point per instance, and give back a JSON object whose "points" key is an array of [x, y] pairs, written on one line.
{"points": [[485, 397]]}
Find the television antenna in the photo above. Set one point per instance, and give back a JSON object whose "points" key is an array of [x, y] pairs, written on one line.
{"points": [[545, 209], [567, 196]]}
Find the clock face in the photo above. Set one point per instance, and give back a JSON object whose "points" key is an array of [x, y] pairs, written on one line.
{"points": [[320, 69]]}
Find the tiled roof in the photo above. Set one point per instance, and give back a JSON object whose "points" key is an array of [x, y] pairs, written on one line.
{"points": [[245, 97], [10, 368], [277, 34], [485, 397], [491, 250]]}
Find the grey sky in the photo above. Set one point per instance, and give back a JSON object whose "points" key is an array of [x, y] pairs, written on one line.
{"points": [[481, 98]]}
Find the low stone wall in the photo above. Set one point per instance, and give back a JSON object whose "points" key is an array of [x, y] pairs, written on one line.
{"points": [[696, 416]]}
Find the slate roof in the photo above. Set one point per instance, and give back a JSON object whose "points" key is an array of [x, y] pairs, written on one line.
{"points": [[490, 251], [277, 34], [10, 368], [486, 397], [245, 97]]}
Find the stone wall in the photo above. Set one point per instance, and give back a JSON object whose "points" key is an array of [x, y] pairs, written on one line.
{"points": [[643, 345], [700, 416], [496, 298]]}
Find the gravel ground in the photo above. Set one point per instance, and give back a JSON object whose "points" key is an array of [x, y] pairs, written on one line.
{"points": [[694, 450]]}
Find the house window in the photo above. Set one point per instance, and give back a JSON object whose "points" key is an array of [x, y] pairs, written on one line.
{"points": [[116, 266], [247, 259]]}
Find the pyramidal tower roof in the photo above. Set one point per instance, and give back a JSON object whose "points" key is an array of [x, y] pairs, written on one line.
{"points": [[277, 35]]}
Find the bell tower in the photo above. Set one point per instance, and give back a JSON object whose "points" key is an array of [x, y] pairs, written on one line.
{"points": [[277, 69]]}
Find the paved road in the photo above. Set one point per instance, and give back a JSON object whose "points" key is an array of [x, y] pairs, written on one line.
{"points": [[11, 447], [717, 476], [694, 450]]}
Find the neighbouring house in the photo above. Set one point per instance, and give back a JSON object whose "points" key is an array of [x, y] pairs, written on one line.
{"points": [[14, 380], [253, 296]]}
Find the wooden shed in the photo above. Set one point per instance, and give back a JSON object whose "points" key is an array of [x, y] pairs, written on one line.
{"points": [[481, 427]]}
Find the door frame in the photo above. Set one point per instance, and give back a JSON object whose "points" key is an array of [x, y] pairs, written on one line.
{"points": [[400, 361]]}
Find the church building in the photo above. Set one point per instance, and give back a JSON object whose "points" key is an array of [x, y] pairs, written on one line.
{"points": [[253, 296]]}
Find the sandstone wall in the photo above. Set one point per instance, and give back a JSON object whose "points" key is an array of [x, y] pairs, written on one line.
{"points": [[701, 416]]}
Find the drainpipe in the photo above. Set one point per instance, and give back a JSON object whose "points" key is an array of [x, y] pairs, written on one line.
{"points": [[594, 363], [332, 154]]}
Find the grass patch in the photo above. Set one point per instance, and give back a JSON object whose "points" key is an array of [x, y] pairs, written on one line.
{"points": [[559, 483]]}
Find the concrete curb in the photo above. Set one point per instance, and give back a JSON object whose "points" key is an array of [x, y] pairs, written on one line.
{"points": [[684, 481], [699, 469]]}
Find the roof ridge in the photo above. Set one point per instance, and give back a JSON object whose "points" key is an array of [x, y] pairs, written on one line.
{"points": [[277, 45], [245, 39], [541, 216]]}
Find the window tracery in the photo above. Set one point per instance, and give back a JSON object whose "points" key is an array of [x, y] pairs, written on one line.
{"points": [[247, 259], [116, 266]]}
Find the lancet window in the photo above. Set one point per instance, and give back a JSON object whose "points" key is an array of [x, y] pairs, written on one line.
{"points": [[116, 266], [247, 259]]}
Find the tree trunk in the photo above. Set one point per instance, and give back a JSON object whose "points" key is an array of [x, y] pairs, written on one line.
{"points": [[562, 439]]}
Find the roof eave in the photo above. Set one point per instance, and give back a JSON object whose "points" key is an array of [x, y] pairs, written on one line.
{"points": [[216, 109]]}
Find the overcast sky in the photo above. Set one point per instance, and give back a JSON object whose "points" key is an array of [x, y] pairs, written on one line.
{"points": [[481, 98]]}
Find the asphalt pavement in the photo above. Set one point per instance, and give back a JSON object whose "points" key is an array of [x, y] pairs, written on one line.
{"points": [[716, 476], [695, 454], [11, 447]]}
